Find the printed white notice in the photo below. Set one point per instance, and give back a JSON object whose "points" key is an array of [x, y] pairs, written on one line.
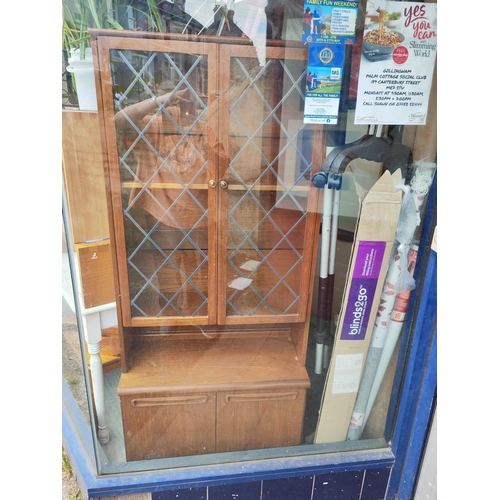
{"points": [[397, 63], [250, 265], [240, 283], [347, 373]]}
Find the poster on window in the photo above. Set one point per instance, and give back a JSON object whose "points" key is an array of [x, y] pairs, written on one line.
{"points": [[323, 83], [329, 21], [397, 63]]}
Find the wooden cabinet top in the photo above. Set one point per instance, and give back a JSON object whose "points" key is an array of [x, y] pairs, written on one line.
{"points": [[213, 365]]}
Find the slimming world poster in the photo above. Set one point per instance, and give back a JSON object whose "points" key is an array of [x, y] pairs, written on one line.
{"points": [[397, 63]]}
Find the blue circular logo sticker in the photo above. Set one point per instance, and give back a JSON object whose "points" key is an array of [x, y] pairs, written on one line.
{"points": [[326, 55]]}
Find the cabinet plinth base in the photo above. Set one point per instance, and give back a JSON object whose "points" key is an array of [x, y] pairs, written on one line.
{"points": [[190, 397]]}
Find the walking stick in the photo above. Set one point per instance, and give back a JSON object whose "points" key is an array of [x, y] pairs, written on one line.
{"points": [[331, 182]]}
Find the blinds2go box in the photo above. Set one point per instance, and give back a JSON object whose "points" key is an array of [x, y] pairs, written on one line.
{"points": [[365, 276], [373, 242]]}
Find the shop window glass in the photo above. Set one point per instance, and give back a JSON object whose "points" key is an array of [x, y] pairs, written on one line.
{"points": [[241, 274]]}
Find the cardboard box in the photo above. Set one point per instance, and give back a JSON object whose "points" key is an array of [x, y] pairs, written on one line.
{"points": [[374, 238]]}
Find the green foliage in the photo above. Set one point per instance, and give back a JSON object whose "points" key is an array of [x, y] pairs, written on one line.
{"points": [[155, 16], [78, 17], [65, 464], [149, 11], [69, 478]]}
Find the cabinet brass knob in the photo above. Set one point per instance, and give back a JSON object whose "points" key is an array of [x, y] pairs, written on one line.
{"points": [[212, 183], [223, 184]]}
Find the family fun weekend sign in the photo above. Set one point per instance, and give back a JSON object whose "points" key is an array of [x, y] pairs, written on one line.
{"points": [[328, 25], [397, 63]]}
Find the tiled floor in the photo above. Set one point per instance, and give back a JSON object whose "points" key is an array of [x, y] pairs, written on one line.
{"points": [[353, 485]]}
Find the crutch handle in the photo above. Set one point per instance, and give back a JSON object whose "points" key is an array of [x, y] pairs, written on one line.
{"points": [[331, 181]]}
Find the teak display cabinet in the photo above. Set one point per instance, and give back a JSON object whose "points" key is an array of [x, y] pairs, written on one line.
{"points": [[214, 227]]}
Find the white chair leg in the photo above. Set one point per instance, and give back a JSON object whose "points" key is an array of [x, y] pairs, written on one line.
{"points": [[98, 391], [93, 336]]}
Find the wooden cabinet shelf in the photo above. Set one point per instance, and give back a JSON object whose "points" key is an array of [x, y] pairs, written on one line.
{"points": [[256, 362]]}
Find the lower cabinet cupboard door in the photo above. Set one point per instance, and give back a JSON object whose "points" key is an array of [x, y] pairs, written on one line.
{"points": [[168, 425], [248, 420]]}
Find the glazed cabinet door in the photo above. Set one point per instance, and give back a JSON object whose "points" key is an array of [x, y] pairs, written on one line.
{"points": [[267, 222], [159, 100]]}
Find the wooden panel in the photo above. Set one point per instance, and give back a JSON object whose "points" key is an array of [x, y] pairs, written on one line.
{"points": [[84, 176], [168, 425], [248, 420], [96, 273]]}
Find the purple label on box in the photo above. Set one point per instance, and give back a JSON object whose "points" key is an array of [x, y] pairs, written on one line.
{"points": [[363, 285]]}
